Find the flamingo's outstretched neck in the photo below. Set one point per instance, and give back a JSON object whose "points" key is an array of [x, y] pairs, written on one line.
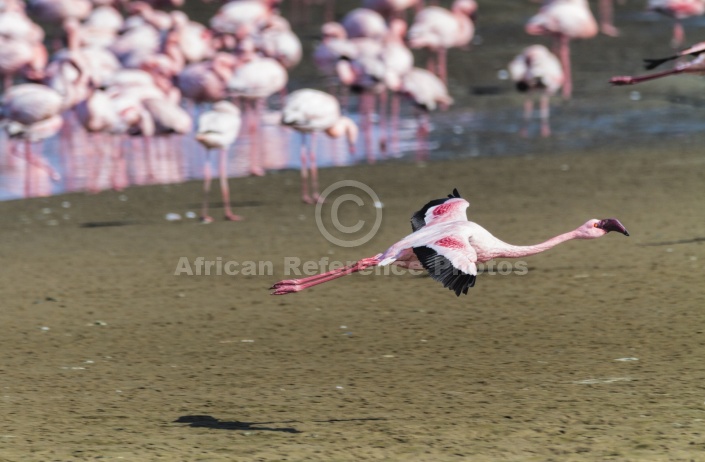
{"points": [[592, 229], [518, 251], [289, 286]]}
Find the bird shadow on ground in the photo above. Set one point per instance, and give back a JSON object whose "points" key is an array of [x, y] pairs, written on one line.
{"points": [[680, 241], [234, 205], [207, 421], [106, 224]]}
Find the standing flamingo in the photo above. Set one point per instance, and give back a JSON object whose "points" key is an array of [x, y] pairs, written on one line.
{"points": [[21, 48], [564, 20], [32, 113], [678, 10], [449, 247], [218, 129], [537, 69], [427, 93], [309, 111], [254, 81], [439, 29], [696, 66]]}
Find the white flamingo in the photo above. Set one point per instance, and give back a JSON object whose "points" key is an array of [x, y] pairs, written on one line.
{"points": [[218, 129], [309, 111]]}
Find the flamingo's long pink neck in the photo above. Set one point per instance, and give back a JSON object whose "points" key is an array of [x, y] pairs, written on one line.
{"points": [[516, 251]]}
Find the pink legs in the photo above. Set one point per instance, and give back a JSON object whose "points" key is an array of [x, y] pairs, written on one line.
{"points": [[296, 285], [224, 187], [394, 141], [205, 218], [309, 164], [422, 131], [442, 65], [564, 54], [32, 166], [678, 35], [367, 105], [544, 113], [607, 18], [252, 116]]}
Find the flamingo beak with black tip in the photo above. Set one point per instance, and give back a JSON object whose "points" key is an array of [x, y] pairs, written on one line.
{"points": [[612, 224]]}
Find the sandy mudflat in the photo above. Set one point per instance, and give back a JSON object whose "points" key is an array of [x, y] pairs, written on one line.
{"points": [[107, 355]]}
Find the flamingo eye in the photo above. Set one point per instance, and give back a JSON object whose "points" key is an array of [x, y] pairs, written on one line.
{"points": [[594, 225]]}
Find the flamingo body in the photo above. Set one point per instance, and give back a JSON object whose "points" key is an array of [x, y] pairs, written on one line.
{"points": [[435, 27], [570, 18], [259, 78], [363, 22], [219, 127]]}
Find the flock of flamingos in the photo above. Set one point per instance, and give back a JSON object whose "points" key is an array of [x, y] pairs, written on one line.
{"points": [[137, 76]]}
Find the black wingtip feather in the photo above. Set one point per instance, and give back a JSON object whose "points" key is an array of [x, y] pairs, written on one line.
{"points": [[442, 270], [654, 63], [418, 220]]}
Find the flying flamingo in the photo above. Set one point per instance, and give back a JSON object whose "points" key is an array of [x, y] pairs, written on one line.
{"points": [[564, 20], [696, 66], [309, 111], [449, 247], [678, 10], [537, 69], [439, 29], [218, 129]]}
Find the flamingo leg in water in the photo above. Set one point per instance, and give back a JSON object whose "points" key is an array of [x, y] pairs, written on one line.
{"points": [[313, 167], [394, 143], [305, 196], [295, 285], [119, 167], [254, 133], [224, 187], [28, 168], [528, 113], [564, 49], [422, 132], [607, 18], [383, 143], [442, 65], [366, 109], [205, 218], [545, 113], [678, 35]]}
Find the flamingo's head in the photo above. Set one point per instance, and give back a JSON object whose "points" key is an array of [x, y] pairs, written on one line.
{"points": [[597, 228]]}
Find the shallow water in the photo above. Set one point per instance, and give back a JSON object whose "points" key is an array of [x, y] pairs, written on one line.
{"points": [[485, 120]]}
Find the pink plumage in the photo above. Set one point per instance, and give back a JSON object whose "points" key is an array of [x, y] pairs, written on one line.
{"points": [[449, 247]]}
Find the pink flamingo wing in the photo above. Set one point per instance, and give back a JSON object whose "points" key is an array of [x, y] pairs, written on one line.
{"points": [[445, 210], [450, 260]]}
